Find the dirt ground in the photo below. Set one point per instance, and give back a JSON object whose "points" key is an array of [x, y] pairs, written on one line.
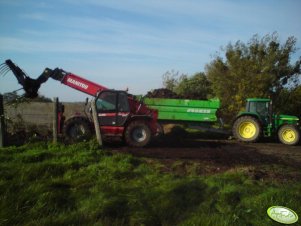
{"points": [[182, 154]]}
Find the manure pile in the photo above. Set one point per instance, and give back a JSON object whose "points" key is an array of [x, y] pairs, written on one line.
{"points": [[162, 93]]}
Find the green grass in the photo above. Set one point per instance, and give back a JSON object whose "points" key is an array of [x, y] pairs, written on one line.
{"points": [[42, 184]]}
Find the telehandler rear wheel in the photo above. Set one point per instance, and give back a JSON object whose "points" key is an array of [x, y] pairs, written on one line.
{"points": [[289, 134], [137, 134], [247, 129]]}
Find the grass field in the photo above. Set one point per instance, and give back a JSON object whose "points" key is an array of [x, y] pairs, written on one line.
{"points": [[45, 184]]}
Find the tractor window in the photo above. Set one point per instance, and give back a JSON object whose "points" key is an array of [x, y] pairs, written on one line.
{"points": [[261, 108], [106, 102]]}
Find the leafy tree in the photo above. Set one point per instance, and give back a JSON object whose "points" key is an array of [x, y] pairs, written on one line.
{"points": [[289, 101], [260, 68], [189, 87], [194, 87], [171, 80]]}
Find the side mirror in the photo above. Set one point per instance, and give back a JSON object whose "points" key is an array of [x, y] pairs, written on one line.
{"points": [[87, 100]]}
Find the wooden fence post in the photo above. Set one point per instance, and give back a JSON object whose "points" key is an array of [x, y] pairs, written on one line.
{"points": [[96, 123], [2, 122], [55, 119]]}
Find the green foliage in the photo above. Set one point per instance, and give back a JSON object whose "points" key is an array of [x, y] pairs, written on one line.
{"points": [[14, 99], [194, 87], [289, 101], [188, 87], [45, 184], [171, 79], [260, 68]]}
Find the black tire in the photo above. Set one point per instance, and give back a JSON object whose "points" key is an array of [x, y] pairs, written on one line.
{"points": [[137, 134], [77, 129], [289, 134], [247, 129]]}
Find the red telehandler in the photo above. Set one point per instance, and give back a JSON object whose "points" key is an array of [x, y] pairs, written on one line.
{"points": [[120, 114]]}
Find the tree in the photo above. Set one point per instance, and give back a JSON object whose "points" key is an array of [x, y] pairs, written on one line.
{"points": [[188, 87], [194, 87], [260, 68], [289, 101], [171, 80]]}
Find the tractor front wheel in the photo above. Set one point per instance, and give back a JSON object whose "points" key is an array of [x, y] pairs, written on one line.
{"points": [[247, 129], [137, 134], [289, 134]]}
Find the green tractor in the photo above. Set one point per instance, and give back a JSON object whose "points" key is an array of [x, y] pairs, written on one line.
{"points": [[259, 121]]}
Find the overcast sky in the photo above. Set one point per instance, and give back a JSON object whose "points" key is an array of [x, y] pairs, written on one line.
{"points": [[131, 43]]}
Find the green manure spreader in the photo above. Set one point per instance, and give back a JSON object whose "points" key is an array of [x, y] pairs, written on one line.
{"points": [[196, 114], [257, 121], [181, 110]]}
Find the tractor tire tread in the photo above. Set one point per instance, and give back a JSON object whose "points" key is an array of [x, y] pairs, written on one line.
{"points": [[238, 121], [297, 133]]}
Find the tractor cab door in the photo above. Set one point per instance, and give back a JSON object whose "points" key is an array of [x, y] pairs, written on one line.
{"points": [[112, 108], [262, 109]]}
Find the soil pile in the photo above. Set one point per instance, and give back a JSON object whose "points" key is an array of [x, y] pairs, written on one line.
{"points": [[162, 93], [166, 93]]}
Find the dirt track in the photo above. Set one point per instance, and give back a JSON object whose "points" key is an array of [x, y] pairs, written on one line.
{"points": [[269, 159]]}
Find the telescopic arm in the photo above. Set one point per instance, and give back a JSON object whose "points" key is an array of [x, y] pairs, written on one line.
{"points": [[31, 86]]}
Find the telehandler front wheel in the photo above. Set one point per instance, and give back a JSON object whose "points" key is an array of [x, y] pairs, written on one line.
{"points": [[77, 129], [247, 129], [289, 134], [137, 134]]}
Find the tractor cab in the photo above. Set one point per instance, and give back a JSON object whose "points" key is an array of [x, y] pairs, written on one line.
{"points": [[260, 107]]}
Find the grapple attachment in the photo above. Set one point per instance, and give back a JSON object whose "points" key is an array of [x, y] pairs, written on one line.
{"points": [[30, 86]]}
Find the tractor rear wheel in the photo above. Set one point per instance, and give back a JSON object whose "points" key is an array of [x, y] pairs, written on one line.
{"points": [[247, 129], [137, 134], [289, 134], [77, 129]]}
